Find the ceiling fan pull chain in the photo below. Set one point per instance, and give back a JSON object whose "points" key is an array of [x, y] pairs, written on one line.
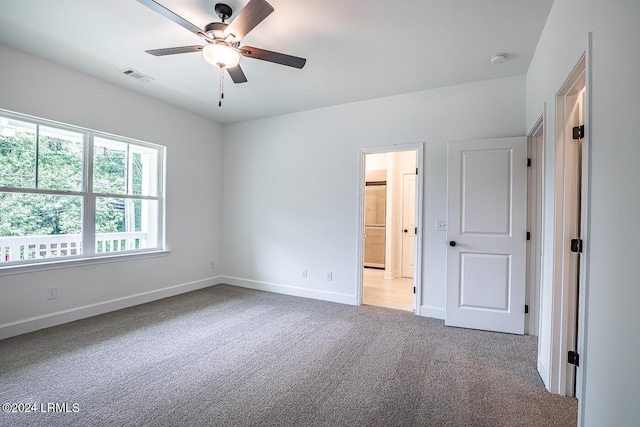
{"points": [[221, 96]]}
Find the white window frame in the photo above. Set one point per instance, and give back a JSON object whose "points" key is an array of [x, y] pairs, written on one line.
{"points": [[89, 254]]}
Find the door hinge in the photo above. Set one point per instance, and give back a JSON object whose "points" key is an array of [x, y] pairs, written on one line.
{"points": [[578, 132], [415, 231], [528, 163], [576, 245], [528, 235], [574, 358], [526, 309], [414, 289], [416, 171]]}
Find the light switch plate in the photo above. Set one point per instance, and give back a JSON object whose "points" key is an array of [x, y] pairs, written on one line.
{"points": [[441, 225]]}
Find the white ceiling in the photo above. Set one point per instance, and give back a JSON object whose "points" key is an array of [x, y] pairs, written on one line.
{"points": [[355, 50]]}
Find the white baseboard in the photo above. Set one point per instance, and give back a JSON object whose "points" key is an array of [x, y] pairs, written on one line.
{"points": [[391, 274], [543, 370], [435, 312], [45, 321], [290, 290]]}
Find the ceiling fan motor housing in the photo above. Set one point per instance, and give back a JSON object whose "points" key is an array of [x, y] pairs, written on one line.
{"points": [[216, 30]]}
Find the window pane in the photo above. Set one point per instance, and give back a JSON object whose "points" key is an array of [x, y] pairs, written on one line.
{"points": [[144, 170], [60, 159], [17, 153], [109, 166], [34, 226], [125, 224]]}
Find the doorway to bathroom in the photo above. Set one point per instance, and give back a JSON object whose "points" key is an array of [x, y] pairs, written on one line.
{"points": [[389, 229]]}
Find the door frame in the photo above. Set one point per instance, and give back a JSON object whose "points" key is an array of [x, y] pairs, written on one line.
{"points": [[535, 224], [417, 274], [565, 301]]}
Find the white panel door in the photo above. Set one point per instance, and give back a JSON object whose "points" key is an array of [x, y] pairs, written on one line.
{"points": [[486, 235], [408, 223]]}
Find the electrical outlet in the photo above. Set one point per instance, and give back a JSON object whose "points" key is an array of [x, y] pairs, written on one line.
{"points": [[213, 265], [441, 225], [52, 292], [329, 276], [304, 273]]}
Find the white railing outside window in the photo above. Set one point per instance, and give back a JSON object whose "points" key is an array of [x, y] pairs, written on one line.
{"points": [[63, 245]]}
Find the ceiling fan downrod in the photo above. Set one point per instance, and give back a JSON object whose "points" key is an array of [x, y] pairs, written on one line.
{"points": [[223, 11]]}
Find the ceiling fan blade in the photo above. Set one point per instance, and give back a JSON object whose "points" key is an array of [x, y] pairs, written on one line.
{"points": [[237, 75], [157, 7], [252, 14], [275, 57], [174, 50]]}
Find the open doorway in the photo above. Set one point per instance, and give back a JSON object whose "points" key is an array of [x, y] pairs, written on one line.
{"points": [[389, 229]]}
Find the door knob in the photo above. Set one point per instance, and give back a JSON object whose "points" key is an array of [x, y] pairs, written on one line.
{"points": [[405, 230], [452, 243]]}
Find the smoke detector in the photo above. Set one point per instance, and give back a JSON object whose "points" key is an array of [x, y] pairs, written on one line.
{"points": [[498, 58]]}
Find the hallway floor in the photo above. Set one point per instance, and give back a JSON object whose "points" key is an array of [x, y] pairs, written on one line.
{"points": [[392, 293]]}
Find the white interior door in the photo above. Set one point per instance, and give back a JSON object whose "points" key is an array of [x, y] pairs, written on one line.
{"points": [[573, 153], [486, 235], [408, 223]]}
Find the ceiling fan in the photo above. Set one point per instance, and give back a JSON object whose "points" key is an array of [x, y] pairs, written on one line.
{"points": [[223, 39]]}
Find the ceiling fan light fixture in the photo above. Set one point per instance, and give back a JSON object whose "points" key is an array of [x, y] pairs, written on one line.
{"points": [[221, 55]]}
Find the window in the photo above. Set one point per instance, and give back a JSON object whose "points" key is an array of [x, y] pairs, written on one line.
{"points": [[71, 192]]}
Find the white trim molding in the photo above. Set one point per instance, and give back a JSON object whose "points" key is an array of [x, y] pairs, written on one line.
{"points": [[543, 370], [295, 291], [433, 312]]}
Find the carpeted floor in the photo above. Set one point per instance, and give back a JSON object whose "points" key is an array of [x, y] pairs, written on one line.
{"points": [[227, 356]]}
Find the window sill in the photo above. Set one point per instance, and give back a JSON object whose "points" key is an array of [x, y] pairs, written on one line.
{"points": [[56, 264]]}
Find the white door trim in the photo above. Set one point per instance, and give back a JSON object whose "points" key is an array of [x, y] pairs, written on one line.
{"points": [[535, 211], [417, 276], [586, 233]]}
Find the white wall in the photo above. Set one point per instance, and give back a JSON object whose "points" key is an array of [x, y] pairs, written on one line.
{"points": [[291, 184], [612, 349], [194, 193], [377, 161]]}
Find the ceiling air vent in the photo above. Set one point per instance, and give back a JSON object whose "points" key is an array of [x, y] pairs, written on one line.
{"points": [[137, 75]]}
